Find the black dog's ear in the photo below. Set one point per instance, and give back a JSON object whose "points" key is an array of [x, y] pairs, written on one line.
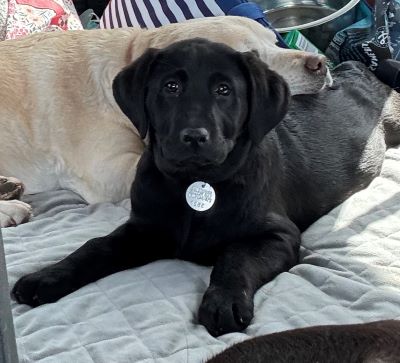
{"points": [[268, 96], [130, 89]]}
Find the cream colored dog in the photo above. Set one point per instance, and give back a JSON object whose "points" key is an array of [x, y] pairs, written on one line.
{"points": [[60, 126]]}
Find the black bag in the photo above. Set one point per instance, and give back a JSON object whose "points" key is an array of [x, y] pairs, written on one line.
{"points": [[373, 40]]}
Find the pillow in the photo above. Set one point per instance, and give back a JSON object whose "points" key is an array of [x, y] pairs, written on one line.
{"points": [[31, 16]]}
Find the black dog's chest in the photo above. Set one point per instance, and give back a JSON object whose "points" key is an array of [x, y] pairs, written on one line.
{"points": [[201, 235], [193, 235]]}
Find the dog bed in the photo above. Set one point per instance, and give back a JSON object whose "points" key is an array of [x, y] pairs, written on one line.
{"points": [[349, 272]]}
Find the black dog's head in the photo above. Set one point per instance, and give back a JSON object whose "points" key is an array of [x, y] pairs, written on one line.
{"points": [[199, 100]]}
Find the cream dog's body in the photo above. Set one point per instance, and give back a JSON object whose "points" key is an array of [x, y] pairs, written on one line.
{"points": [[60, 126]]}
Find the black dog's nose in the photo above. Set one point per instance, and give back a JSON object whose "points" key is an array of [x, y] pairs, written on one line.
{"points": [[198, 136]]}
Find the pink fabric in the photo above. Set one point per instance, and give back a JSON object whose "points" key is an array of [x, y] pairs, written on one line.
{"points": [[30, 16]]}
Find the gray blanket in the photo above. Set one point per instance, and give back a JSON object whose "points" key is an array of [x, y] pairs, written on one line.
{"points": [[349, 272]]}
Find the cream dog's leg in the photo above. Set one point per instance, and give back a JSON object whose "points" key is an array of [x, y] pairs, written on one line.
{"points": [[14, 212], [105, 178]]}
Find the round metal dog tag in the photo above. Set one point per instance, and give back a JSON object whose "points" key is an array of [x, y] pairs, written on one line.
{"points": [[200, 196]]}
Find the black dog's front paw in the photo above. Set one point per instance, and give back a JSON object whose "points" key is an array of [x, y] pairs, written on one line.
{"points": [[223, 311], [45, 286]]}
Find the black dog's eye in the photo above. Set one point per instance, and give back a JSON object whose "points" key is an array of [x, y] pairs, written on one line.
{"points": [[172, 87], [223, 90]]}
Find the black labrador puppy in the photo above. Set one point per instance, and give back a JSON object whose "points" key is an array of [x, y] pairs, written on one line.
{"points": [[220, 183]]}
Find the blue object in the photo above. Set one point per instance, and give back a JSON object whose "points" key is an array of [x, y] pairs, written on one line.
{"points": [[249, 10]]}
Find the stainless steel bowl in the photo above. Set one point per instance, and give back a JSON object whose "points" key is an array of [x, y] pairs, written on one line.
{"points": [[319, 20]]}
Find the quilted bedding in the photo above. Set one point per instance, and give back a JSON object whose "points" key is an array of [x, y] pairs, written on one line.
{"points": [[349, 272]]}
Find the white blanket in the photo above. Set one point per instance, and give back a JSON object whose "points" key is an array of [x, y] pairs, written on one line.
{"points": [[349, 272]]}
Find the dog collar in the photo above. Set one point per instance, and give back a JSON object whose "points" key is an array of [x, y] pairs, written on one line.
{"points": [[200, 196]]}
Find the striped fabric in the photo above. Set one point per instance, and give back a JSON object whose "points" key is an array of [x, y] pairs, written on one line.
{"points": [[154, 13]]}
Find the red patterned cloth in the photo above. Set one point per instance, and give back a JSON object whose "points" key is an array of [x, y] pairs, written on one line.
{"points": [[31, 16]]}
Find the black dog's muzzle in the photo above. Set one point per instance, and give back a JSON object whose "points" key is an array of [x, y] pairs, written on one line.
{"points": [[195, 138]]}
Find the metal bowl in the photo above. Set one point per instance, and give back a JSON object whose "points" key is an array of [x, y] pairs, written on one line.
{"points": [[319, 20]]}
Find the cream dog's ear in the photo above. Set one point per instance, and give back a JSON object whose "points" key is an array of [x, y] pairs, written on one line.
{"points": [[130, 89]]}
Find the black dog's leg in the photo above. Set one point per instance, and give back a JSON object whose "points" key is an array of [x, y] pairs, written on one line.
{"points": [[126, 247], [244, 267]]}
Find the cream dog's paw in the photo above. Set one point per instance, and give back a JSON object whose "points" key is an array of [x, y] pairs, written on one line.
{"points": [[14, 212], [10, 188]]}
